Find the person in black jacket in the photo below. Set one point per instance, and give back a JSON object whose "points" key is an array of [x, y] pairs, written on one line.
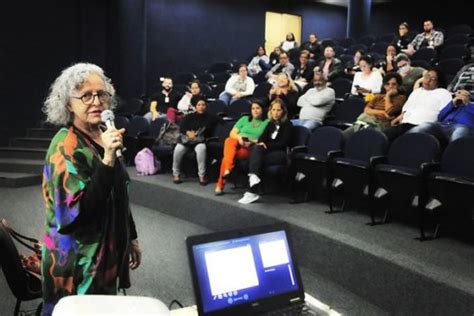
{"points": [[270, 149], [195, 128]]}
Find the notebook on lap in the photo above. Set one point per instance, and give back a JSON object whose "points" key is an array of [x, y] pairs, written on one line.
{"points": [[245, 272]]}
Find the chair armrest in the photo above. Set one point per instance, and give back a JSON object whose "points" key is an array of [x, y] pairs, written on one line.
{"points": [[375, 160], [299, 149], [212, 139], [429, 167], [333, 154]]}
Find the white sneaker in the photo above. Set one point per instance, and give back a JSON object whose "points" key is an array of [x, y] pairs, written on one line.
{"points": [[248, 198], [253, 179], [300, 176]]}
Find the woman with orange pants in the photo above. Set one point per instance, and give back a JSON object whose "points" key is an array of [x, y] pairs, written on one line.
{"points": [[244, 134]]}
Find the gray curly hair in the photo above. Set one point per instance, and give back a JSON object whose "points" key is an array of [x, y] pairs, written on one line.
{"points": [[60, 92]]}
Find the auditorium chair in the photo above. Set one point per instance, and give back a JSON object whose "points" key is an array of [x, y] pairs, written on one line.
{"points": [[238, 108], [344, 114], [427, 54], [353, 48], [387, 37], [346, 42], [130, 107], [262, 90], [398, 179], [367, 40], [206, 89], [342, 87], [450, 188], [379, 48], [221, 77], [121, 122], [184, 78], [328, 42], [215, 145], [351, 173], [459, 29], [148, 139], [206, 78], [420, 63], [450, 67], [457, 39], [455, 51], [310, 167], [217, 107], [220, 67], [24, 285], [217, 89]]}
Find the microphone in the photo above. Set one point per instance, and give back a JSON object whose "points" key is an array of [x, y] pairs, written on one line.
{"points": [[108, 117]]}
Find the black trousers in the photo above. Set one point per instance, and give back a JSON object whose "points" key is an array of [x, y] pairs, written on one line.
{"points": [[397, 130], [260, 156]]}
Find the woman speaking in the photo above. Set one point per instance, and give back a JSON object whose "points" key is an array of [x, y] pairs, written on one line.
{"points": [[90, 241]]}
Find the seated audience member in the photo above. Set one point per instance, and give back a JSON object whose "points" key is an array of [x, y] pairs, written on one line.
{"points": [[429, 38], [188, 102], [243, 135], [195, 128], [304, 72], [254, 66], [464, 80], [315, 103], [289, 42], [403, 38], [368, 80], [284, 66], [285, 89], [160, 102], [313, 47], [238, 86], [382, 108], [274, 59], [455, 120], [388, 63], [330, 66], [352, 66], [270, 148], [423, 104], [409, 74]]}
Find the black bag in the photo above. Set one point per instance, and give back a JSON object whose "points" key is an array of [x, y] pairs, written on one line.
{"points": [[169, 134], [185, 140]]}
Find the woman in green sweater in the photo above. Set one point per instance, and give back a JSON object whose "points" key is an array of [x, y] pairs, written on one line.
{"points": [[244, 134]]}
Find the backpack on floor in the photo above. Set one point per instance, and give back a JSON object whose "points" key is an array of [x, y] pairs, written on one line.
{"points": [[146, 163], [169, 134]]}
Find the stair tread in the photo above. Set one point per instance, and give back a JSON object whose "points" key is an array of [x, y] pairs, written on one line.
{"points": [[17, 175], [22, 161], [23, 149]]}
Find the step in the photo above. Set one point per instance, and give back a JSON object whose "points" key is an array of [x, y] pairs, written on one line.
{"points": [[22, 152], [30, 142], [41, 132], [16, 180], [383, 265], [34, 166]]}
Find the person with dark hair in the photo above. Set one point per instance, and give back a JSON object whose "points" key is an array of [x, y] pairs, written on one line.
{"points": [[383, 108], [90, 241], [313, 47], [403, 38], [194, 128], [243, 135], [330, 66], [409, 74], [255, 66], [315, 103], [388, 63], [423, 104], [368, 80], [161, 101], [304, 72], [270, 149], [289, 43], [430, 38], [284, 66], [188, 102], [238, 86], [456, 120], [352, 66]]}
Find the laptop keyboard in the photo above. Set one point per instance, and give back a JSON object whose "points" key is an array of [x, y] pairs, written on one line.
{"points": [[294, 310]]}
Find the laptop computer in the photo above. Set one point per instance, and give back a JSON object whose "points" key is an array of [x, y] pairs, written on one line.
{"points": [[248, 271]]}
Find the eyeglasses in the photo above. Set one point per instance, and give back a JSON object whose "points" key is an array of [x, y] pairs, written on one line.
{"points": [[88, 97], [430, 78]]}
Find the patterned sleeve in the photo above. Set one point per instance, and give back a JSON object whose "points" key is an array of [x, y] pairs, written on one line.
{"points": [[73, 189], [438, 39]]}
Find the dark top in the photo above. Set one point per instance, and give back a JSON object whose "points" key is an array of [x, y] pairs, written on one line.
{"points": [[162, 106], [194, 121], [290, 100], [315, 49], [283, 135], [336, 68], [274, 59], [305, 72], [402, 41]]}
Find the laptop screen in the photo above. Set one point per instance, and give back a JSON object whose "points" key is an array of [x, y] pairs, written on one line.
{"points": [[242, 269]]}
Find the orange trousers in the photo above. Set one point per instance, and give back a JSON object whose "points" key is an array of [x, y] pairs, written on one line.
{"points": [[232, 150]]}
